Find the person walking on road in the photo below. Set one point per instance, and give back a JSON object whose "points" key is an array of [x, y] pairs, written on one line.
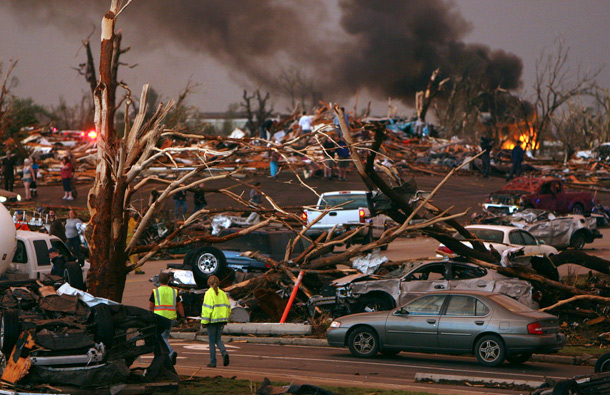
{"points": [[165, 302], [215, 314], [180, 204]]}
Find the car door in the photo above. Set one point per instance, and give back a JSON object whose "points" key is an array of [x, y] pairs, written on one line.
{"points": [[464, 318], [426, 278], [464, 277], [415, 325], [546, 198]]}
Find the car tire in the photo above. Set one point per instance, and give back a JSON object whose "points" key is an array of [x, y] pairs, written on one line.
{"points": [[73, 275], [566, 387], [578, 240], [603, 363], [490, 350], [206, 262], [578, 209], [518, 359], [104, 327], [367, 304], [363, 342], [10, 329]]}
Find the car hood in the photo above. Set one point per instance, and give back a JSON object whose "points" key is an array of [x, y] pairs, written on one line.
{"points": [[363, 317]]}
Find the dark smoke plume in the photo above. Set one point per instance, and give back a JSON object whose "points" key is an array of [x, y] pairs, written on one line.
{"points": [[388, 47]]}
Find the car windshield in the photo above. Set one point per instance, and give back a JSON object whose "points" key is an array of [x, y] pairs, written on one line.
{"points": [[490, 235], [355, 201], [509, 303]]}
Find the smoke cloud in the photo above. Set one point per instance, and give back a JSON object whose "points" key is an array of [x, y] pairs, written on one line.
{"points": [[388, 47]]}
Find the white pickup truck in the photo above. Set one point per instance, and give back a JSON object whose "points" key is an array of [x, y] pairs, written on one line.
{"points": [[24, 255], [351, 210]]}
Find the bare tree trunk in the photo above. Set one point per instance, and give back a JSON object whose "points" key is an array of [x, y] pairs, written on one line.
{"points": [[105, 200]]}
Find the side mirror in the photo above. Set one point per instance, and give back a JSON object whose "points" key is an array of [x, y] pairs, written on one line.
{"points": [[402, 311], [541, 242]]}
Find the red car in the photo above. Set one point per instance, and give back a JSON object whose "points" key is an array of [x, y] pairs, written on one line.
{"points": [[544, 193]]}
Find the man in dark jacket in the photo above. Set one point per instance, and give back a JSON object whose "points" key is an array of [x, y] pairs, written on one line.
{"points": [[58, 261], [486, 145], [517, 159]]}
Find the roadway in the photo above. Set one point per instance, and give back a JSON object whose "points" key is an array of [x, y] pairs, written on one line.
{"points": [[337, 367]]}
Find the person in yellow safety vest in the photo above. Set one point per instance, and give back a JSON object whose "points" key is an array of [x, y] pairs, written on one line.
{"points": [[165, 302], [215, 314]]}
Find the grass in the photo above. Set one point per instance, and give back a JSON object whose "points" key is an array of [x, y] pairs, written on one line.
{"points": [[580, 350], [231, 386]]}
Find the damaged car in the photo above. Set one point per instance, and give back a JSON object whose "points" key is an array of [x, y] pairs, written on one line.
{"points": [[546, 193], [559, 231], [371, 292], [70, 337]]}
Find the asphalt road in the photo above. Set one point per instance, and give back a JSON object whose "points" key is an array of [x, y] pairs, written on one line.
{"points": [[336, 366]]}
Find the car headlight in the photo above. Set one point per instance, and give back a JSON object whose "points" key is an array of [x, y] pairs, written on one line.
{"points": [[335, 324], [2, 199]]}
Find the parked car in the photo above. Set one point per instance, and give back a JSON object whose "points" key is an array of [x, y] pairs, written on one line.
{"points": [[502, 238], [559, 231], [545, 193], [366, 293], [491, 326], [351, 212]]}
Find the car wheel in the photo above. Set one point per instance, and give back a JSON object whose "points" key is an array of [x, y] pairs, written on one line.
{"points": [[578, 209], [104, 327], [518, 359], [578, 240], [206, 262], [73, 275], [390, 352], [603, 363], [566, 387], [363, 342], [9, 331], [490, 350], [368, 304]]}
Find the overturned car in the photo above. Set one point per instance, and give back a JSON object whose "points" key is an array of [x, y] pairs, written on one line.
{"points": [[370, 292], [69, 337]]}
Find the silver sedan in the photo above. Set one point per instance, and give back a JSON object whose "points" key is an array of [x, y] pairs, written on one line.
{"points": [[491, 326]]}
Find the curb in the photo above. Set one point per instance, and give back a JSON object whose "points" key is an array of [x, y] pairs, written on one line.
{"points": [[586, 360]]}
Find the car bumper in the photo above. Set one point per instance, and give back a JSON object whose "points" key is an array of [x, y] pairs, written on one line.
{"points": [[538, 344], [503, 209], [336, 336]]}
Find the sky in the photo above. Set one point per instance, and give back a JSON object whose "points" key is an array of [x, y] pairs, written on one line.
{"points": [[379, 49]]}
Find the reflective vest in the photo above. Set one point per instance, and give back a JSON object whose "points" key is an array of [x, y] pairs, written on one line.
{"points": [[215, 308], [165, 302]]}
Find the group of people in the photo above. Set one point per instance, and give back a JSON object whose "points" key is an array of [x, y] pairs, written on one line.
{"points": [[181, 206], [517, 157], [215, 311], [67, 230], [30, 175]]}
